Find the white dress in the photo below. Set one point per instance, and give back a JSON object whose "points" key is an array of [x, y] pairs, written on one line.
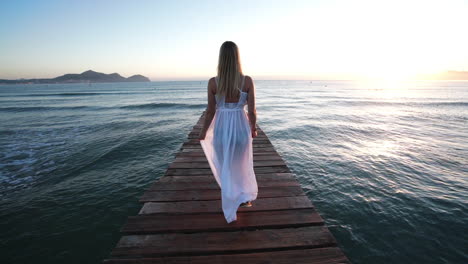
{"points": [[228, 149]]}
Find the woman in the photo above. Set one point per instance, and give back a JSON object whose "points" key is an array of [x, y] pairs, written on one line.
{"points": [[228, 132]]}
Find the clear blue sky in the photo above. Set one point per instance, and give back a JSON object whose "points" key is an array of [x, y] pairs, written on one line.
{"points": [[277, 39]]}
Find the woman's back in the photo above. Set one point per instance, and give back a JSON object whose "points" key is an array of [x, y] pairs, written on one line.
{"points": [[239, 102]]}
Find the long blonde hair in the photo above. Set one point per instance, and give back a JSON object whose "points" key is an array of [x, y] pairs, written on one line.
{"points": [[229, 70]]}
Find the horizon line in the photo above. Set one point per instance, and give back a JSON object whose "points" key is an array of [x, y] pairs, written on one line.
{"points": [[447, 75]]}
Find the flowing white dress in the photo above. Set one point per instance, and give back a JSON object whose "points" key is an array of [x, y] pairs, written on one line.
{"points": [[228, 149]]}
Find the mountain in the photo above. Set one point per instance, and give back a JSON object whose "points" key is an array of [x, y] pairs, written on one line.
{"points": [[137, 78], [85, 77]]}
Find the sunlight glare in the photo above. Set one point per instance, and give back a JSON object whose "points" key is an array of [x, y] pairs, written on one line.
{"points": [[394, 40]]}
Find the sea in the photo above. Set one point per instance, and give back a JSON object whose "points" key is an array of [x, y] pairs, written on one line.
{"points": [[384, 162]]}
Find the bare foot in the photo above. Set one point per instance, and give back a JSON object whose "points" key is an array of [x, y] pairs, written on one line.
{"points": [[247, 204]]}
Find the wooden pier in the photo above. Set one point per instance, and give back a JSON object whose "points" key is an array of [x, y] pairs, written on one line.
{"points": [[181, 220]]}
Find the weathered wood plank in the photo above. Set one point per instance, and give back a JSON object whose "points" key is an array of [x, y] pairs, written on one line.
{"points": [[213, 206], [168, 186], [192, 195], [210, 178], [256, 140], [254, 145], [203, 165], [170, 244], [167, 223], [196, 135], [258, 150], [203, 158], [197, 129], [327, 255], [202, 154], [192, 172]]}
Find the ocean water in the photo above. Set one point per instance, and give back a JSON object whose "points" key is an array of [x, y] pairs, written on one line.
{"points": [[386, 164]]}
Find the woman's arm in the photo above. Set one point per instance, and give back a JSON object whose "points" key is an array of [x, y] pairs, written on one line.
{"points": [[251, 105], [210, 109]]}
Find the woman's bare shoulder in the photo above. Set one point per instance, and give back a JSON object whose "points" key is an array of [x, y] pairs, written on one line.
{"points": [[248, 83], [212, 84]]}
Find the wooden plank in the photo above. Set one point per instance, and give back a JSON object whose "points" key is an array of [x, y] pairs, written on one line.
{"points": [[196, 130], [203, 158], [196, 134], [258, 150], [203, 165], [191, 172], [261, 177], [256, 140], [327, 255], [170, 244], [214, 206], [202, 154], [196, 141], [247, 220], [192, 195], [254, 145], [199, 128], [167, 186]]}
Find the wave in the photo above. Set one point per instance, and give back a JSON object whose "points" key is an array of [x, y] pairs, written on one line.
{"points": [[448, 103], [387, 103], [162, 105], [41, 108], [71, 94], [62, 108]]}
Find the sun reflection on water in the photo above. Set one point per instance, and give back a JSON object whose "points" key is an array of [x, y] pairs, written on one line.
{"points": [[382, 147]]}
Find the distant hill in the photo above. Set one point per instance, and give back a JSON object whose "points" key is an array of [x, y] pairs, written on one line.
{"points": [[137, 78], [85, 77]]}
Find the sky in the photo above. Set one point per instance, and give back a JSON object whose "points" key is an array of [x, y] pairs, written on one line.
{"points": [[180, 39]]}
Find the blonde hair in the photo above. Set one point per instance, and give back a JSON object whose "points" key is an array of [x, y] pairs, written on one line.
{"points": [[229, 70]]}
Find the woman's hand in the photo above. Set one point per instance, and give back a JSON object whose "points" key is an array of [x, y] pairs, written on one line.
{"points": [[202, 135], [254, 132]]}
